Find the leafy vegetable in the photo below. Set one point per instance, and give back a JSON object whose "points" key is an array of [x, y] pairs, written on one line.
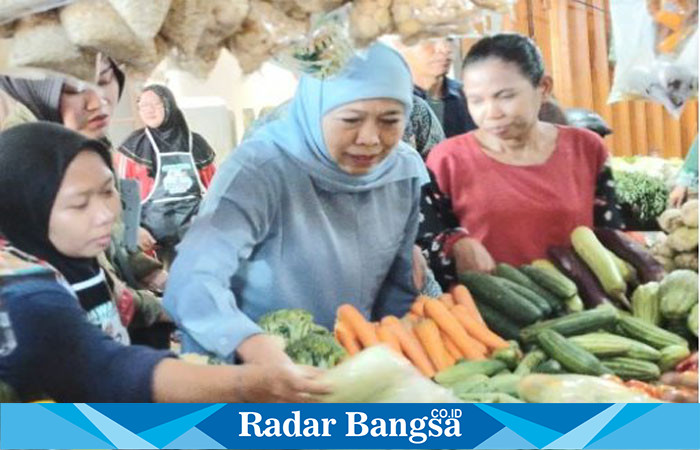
{"points": [[305, 341], [645, 194]]}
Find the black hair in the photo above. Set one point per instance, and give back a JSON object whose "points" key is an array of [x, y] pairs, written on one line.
{"points": [[509, 47]]}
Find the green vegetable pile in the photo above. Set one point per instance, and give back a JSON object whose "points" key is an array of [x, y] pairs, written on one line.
{"points": [[645, 194], [305, 341]]}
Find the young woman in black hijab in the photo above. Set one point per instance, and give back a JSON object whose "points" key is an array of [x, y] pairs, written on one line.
{"points": [[173, 164], [64, 217]]}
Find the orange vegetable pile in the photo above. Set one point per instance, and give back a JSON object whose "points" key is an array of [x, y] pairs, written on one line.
{"points": [[433, 335]]}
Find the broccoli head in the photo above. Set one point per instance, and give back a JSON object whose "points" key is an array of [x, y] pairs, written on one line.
{"points": [[291, 324], [316, 349]]}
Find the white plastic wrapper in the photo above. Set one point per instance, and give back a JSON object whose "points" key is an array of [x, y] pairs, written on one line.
{"points": [[145, 18], [15, 9], [29, 49], [652, 64], [370, 19], [264, 33], [379, 375], [541, 388], [185, 23], [419, 19]]}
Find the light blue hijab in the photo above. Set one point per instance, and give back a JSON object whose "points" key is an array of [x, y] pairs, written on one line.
{"points": [[378, 72]]}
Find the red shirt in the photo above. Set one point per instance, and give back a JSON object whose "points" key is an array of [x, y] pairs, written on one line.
{"points": [[517, 212]]}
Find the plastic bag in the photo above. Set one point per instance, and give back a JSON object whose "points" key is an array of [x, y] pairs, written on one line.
{"points": [[85, 21], [651, 63], [185, 23], [29, 50], [370, 19], [540, 388], [265, 32], [418, 19], [325, 50], [144, 18], [378, 374], [15, 9]]}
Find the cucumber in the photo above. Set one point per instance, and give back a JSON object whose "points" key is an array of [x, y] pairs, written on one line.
{"points": [[497, 322], [510, 355], [672, 355], [571, 356], [551, 279], [473, 383], [693, 320], [645, 303], [462, 370], [511, 273], [489, 397], [601, 317], [531, 296], [630, 368], [550, 366], [650, 334], [531, 360], [608, 345], [574, 304], [589, 248], [506, 384], [490, 290]]}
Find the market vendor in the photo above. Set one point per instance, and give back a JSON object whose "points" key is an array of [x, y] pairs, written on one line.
{"points": [[49, 278], [317, 209], [173, 164], [516, 184]]}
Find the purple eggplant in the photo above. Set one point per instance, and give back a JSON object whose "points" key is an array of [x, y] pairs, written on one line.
{"points": [[589, 288], [648, 268]]}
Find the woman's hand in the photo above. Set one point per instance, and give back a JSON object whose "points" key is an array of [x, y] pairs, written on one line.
{"points": [[678, 196], [146, 241], [420, 267], [284, 383], [470, 254]]}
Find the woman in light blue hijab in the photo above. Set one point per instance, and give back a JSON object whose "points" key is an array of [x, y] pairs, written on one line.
{"points": [[317, 209]]}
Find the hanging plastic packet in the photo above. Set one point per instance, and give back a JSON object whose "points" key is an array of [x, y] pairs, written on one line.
{"points": [[15, 9], [419, 19], [656, 53], [325, 50]]}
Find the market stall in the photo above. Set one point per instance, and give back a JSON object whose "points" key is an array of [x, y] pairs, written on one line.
{"points": [[610, 317]]}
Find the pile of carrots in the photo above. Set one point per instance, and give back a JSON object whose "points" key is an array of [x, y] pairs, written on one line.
{"points": [[434, 335]]}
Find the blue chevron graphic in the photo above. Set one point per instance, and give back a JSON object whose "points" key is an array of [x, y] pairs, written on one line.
{"points": [[505, 439], [69, 412], [121, 437], [532, 432], [630, 412], [649, 430], [139, 418], [163, 434], [194, 439], [555, 416], [56, 432], [581, 435]]}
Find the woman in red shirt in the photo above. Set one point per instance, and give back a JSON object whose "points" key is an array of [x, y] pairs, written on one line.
{"points": [[517, 184]]}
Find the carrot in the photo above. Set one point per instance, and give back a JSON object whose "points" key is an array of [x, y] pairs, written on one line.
{"points": [[462, 296], [347, 338], [411, 317], [478, 331], [358, 324], [447, 299], [429, 335], [410, 345], [418, 304], [469, 347], [387, 337], [450, 346]]}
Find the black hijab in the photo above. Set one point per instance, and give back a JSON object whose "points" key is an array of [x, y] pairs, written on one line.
{"points": [[34, 158], [171, 136], [43, 97]]}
